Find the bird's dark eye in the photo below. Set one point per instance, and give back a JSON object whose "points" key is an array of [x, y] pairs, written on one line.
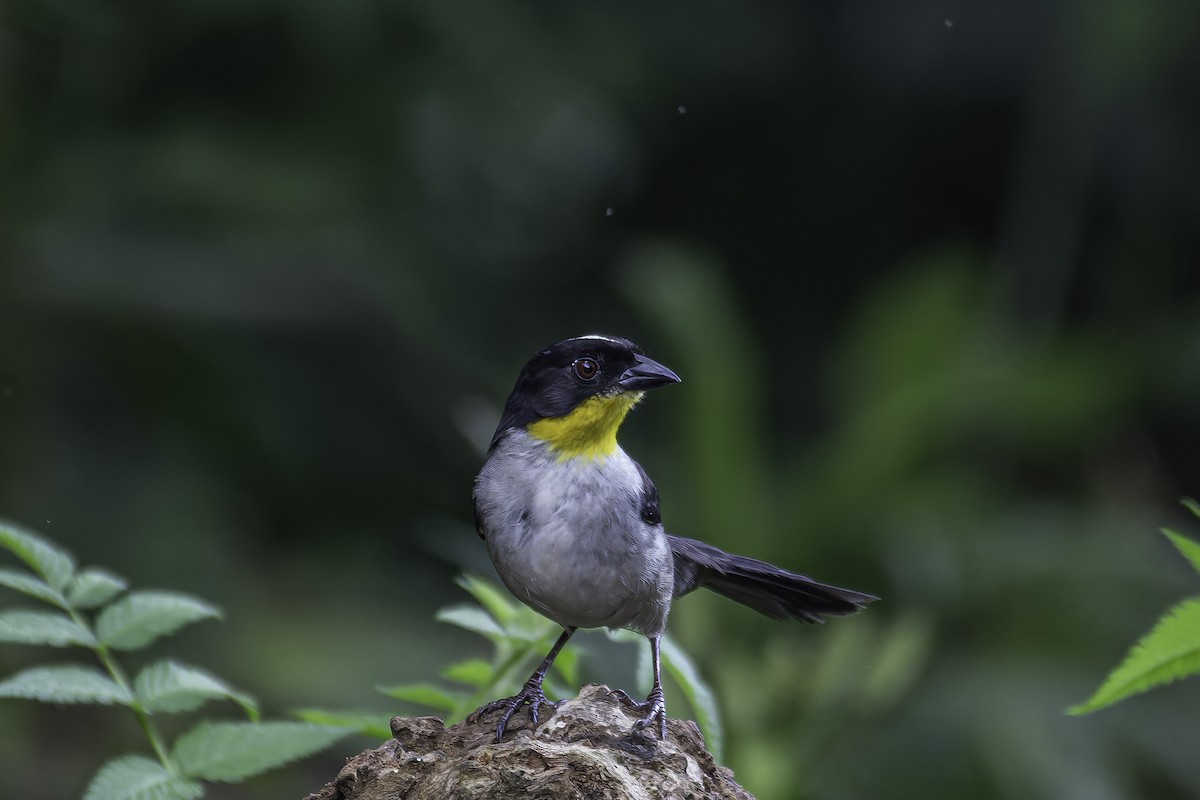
{"points": [[586, 368]]}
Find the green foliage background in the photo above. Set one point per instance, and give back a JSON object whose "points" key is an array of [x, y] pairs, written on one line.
{"points": [[928, 270]]}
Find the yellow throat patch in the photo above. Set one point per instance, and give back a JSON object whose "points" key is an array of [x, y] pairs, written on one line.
{"points": [[590, 431]]}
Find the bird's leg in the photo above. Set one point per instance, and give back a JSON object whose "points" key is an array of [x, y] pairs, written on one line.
{"points": [[655, 707], [530, 693]]}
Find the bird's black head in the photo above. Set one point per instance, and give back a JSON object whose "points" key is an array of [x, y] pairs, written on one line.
{"points": [[560, 380]]}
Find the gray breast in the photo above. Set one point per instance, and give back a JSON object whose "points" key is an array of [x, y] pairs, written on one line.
{"points": [[568, 540]]}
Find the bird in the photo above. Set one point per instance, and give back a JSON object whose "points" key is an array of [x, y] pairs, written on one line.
{"points": [[574, 527]]}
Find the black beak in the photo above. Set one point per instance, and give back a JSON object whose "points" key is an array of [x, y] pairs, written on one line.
{"points": [[646, 373]]}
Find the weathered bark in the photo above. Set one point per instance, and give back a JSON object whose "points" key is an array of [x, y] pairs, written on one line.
{"points": [[586, 749]]}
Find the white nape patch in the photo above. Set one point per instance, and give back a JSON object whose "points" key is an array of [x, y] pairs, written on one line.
{"points": [[596, 336]]}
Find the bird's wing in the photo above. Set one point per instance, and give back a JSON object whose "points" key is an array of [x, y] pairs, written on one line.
{"points": [[651, 511]]}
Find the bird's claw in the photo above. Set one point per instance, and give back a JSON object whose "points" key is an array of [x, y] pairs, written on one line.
{"points": [[530, 693], [654, 709]]}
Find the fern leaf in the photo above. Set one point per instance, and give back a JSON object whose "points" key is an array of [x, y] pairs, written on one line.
{"points": [[31, 585], [170, 687], [48, 560], [1167, 653], [20, 626], [139, 778], [1188, 548], [94, 587], [65, 683], [231, 751], [139, 618]]}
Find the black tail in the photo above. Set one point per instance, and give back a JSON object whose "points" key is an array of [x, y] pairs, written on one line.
{"points": [[764, 587]]}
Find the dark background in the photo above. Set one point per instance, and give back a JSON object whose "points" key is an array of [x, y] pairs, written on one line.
{"points": [[929, 271]]}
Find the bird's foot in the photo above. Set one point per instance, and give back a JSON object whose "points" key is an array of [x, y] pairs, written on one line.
{"points": [[654, 709], [530, 693]]}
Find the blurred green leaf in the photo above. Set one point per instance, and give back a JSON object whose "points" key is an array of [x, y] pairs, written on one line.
{"points": [[139, 778], [425, 694], [624, 636], [1169, 652], [232, 751], [374, 725], [20, 626], [681, 667], [902, 650], [473, 619], [911, 327], [94, 587], [31, 585], [473, 672], [567, 665], [684, 290], [48, 560], [529, 626], [65, 684], [171, 687], [139, 618], [839, 670], [502, 607]]}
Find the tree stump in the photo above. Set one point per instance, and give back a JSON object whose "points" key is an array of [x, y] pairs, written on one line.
{"points": [[586, 748]]}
